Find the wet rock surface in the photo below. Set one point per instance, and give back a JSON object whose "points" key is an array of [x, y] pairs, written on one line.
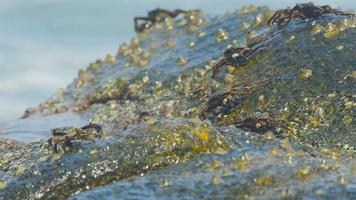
{"points": [[280, 126]]}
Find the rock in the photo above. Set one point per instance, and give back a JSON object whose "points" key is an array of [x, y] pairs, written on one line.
{"points": [[167, 124]]}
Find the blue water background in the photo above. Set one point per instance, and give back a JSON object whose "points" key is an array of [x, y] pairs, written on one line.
{"points": [[43, 43]]}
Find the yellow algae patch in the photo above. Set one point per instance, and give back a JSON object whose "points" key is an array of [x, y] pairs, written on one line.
{"points": [[264, 180], [314, 121], [230, 69], [330, 30], [285, 144], [304, 173], [241, 69], [202, 133], [193, 136]]}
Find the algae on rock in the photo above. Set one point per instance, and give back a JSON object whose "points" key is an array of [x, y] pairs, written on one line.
{"points": [[167, 124]]}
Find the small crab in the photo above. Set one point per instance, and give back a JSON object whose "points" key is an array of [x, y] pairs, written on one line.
{"points": [[235, 56], [154, 16], [258, 123], [64, 136], [212, 102], [223, 102], [238, 56], [303, 11]]}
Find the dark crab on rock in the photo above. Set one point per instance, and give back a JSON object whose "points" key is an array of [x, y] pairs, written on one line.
{"points": [[303, 11], [155, 16], [258, 123], [63, 137], [235, 56], [238, 56]]}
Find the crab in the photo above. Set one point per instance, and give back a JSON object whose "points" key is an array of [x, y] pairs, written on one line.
{"points": [[155, 16], [63, 137], [215, 100], [235, 56], [222, 102], [258, 123], [303, 11], [238, 56]]}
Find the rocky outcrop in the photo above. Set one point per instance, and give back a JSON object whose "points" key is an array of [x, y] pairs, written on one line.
{"points": [[279, 126]]}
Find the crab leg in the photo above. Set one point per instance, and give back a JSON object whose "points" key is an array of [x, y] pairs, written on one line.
{"points": [[136, 19], [337, 12], [216, 68], [274, 17]]}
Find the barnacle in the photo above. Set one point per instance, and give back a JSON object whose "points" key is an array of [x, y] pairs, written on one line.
{"points": [[221, 35]]}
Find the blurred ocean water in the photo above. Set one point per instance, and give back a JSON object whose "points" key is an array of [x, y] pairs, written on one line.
{"points": [[43, 43]]}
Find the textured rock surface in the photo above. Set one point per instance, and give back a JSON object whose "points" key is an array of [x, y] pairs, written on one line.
{"points": [[170, 135]]}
